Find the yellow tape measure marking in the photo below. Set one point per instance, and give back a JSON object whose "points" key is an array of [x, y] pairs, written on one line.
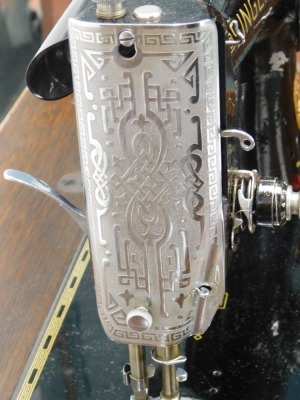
{"points": [[55, 324], [224, 302]]}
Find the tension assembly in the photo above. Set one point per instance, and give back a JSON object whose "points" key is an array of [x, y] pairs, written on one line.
{"points": [[262, 201]]}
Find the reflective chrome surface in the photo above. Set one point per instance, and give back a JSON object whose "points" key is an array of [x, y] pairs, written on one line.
{"points": [[148, 125]]}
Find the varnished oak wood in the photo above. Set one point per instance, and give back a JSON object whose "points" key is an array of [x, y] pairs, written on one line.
{"points": [[37, 238]]}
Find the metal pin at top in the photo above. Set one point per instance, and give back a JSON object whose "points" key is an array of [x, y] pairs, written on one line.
{"points": [[110, 9]]}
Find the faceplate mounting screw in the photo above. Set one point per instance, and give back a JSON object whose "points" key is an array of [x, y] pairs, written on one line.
{"points": [[126, 38]]}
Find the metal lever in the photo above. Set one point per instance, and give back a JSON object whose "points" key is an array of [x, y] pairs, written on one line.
{"points": [[35, 183]]}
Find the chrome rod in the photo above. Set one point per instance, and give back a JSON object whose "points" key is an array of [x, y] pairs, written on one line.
{"points": [[138, 373], [167, 354]]}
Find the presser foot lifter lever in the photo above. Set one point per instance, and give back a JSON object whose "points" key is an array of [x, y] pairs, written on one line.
{"points": [[37, 184]]}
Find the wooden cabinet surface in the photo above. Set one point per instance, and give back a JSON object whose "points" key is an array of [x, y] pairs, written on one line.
{"points": [[37, 238]]}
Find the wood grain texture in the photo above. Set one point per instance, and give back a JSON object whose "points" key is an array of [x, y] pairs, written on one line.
{"points": [[37, 238], [52, 11]]}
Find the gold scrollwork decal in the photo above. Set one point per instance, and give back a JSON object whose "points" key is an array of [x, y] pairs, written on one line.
{"points": [[247, 16]]}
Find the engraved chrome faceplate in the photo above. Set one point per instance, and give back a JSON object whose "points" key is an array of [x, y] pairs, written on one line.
{"points": [[149, 140]]}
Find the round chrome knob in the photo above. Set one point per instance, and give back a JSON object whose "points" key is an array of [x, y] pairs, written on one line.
{"points": [[139, 319], [148, 12]]}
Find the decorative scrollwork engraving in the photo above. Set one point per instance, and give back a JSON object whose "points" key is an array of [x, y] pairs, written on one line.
{"points": [[150, 157]]}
